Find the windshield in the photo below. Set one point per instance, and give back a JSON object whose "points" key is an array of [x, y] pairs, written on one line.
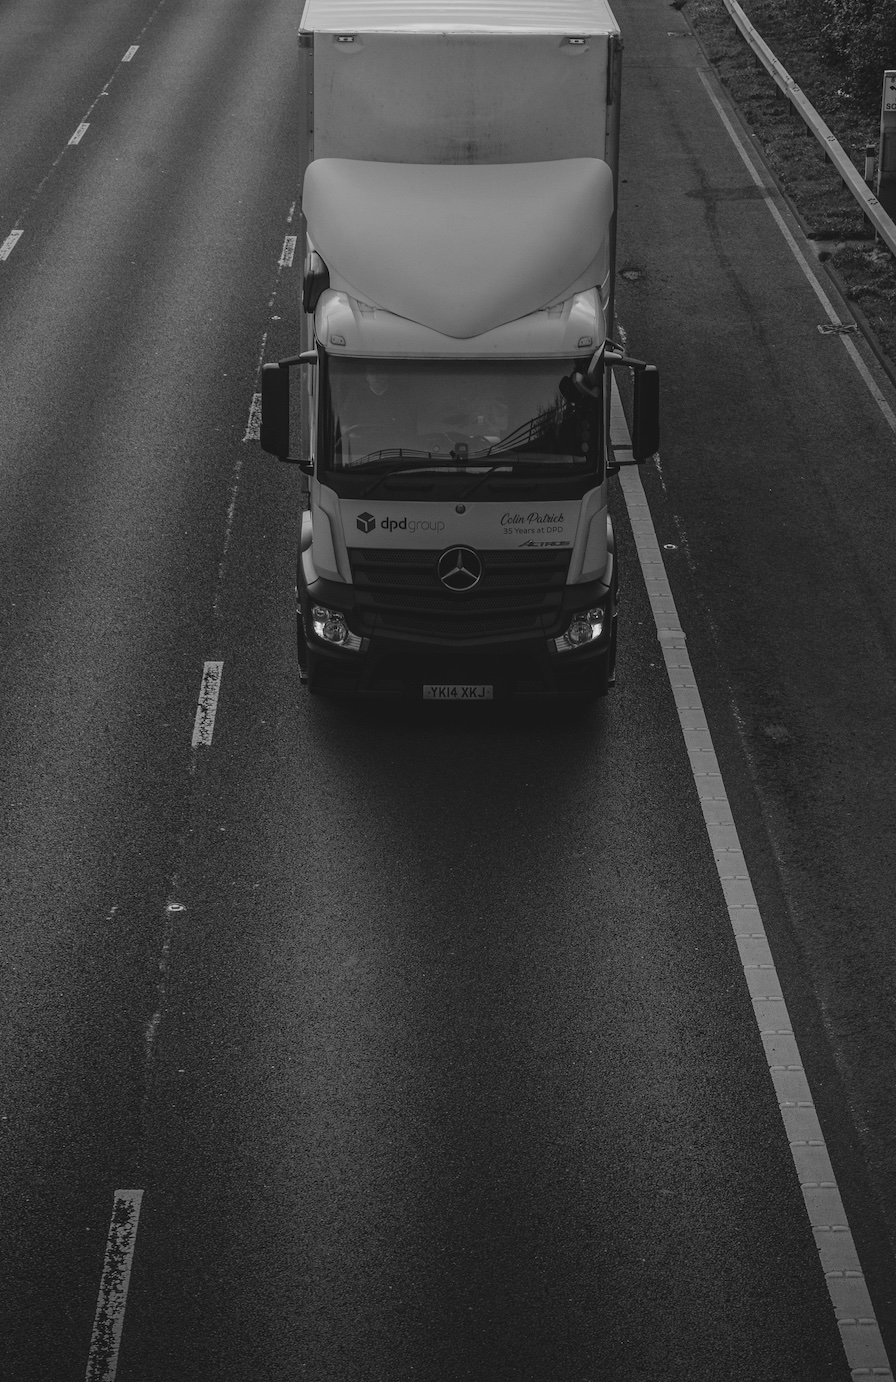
{"points": [[444, 415]]}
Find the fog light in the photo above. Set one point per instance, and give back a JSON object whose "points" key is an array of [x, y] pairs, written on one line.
{"points": [[330, 625], [583, 629]]}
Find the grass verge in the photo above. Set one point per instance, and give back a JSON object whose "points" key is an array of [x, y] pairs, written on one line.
{"points": [[864, 272]]}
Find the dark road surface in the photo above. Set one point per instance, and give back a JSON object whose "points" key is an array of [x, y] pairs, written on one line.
{"points": [[422, 1031]]}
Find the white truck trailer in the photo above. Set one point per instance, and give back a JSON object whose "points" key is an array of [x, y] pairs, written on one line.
{"points": [[459, 165]]}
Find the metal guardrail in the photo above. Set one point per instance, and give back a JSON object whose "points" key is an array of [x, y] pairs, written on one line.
{"points": [[851, 176]]}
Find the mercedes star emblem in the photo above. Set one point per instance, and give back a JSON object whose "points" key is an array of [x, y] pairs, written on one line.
{"points": [[459, 569]]}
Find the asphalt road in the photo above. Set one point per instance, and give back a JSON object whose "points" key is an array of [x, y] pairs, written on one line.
{"points": [[424, 1034]]}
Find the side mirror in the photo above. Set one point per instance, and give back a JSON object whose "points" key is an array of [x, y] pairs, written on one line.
{"points": [[646, 406], [274, 429], [646, 413], [585, 385]]}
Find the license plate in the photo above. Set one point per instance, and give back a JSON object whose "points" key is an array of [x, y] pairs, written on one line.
{"points": [[457, 693]]}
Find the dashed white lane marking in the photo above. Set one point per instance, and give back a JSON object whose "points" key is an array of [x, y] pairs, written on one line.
{"points": [[848, 345], [204, 724], [253, 423], [105, 1340], [859, 1330], [174, 911], [10, 243], [253, 426], [285, 261]]}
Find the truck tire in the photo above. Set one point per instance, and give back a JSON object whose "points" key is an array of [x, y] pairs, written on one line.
{"points": [[312, 681], [301, 651], [604, 681]]}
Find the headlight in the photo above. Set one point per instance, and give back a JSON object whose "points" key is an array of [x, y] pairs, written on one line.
{"points": [[583, 629], [330, 626]]}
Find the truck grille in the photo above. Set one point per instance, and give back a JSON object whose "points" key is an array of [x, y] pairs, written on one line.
{"points": [[520, 591]]}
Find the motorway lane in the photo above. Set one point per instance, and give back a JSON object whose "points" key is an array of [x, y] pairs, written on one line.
{"points": [[55, 59], [131, 318], [419, 1091], [778, 495], [458, 1077]]}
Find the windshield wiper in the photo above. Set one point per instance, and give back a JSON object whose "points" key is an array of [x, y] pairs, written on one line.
{"points": [[408, 468], [465, 494], [374, 459]]}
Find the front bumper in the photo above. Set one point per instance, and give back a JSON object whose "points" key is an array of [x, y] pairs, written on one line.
{"points": [[522, 672], [516, 668]]}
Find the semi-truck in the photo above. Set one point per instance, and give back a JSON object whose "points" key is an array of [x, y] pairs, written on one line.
{"points": [[459, 170]]}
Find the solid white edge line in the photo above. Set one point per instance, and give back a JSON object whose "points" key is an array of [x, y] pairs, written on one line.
{"points": [[204, 724], [854, 1312], [798, 255], [10, 243], [105, 1339]]}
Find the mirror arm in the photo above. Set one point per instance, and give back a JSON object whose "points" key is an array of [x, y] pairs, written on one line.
{"points": [[307, 357], [618, 357], [586, 384]]}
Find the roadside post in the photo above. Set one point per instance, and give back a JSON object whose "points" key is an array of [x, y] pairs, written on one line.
{"points": [[886, 160]]}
